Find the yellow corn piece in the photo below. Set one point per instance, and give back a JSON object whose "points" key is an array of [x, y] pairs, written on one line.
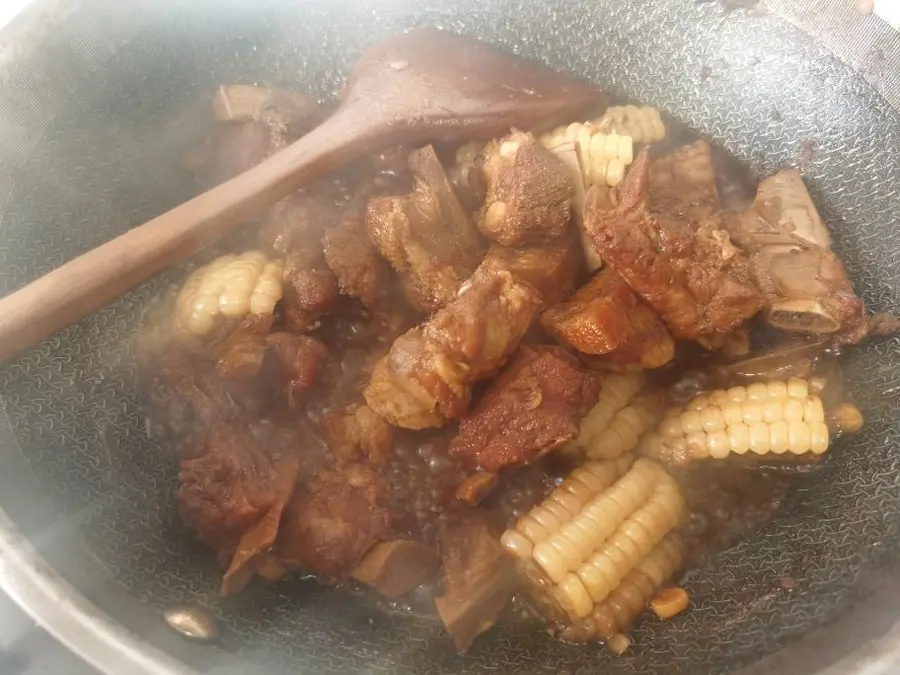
{"points": [[616, 392], [764, 417], [603, 156], [566, 501], [616, 614], [627, 426], [643, 123], [581, 559], [230, 287]]}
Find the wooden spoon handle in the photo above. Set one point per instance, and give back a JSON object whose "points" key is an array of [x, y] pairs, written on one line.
{"points": [[90, 281]]}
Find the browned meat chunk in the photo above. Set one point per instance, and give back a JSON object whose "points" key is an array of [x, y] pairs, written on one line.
{"points": [[255, 543], [295, 225], [536, 405], [394, 568], [329, 525], [288, 114], [242, 353], [682, 184], [300, 359], [360, 432], [551, 269], [676, 258], [262, 121], [804, 284], [426, 236], [528, 192], [427, 377], [467, 175], [350, 254], [308, 293], [227, 486], [479, 580], [607, 317]]}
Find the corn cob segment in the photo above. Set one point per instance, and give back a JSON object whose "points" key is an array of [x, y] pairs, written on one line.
{"points": [[562, 505], [627, 427], [643, 123], [577, 563], [616, 614], [603, 157], [764, 417], [231, 286], [616, 392]]}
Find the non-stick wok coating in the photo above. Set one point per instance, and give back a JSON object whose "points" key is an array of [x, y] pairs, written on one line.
{"points": [[92, 126]]}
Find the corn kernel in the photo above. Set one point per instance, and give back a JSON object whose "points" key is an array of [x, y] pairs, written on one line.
{"points": [[711, 419], [759, 438], [818, 437], [690, 422], [719, 398], [813, 411], [670, 603], [737, 394], [517, 544], [777, 389], [778, 437], [697, 444], [752, 412], [739, 438], [758, 391], [732, 413], [799, 437], [718, 445], [793, 410], [699, 402], [797, 388]]}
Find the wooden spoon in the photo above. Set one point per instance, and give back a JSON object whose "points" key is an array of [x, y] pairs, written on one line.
{"points": [[421, 86]]}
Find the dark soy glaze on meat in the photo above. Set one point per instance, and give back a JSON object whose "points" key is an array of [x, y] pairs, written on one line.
{"points": [[287, 467]]}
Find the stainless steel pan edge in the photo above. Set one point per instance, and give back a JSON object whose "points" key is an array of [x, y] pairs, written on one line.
{"points": [[865, 642]]}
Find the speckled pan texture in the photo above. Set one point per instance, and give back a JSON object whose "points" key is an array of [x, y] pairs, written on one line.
{"points": [[90, 135]]}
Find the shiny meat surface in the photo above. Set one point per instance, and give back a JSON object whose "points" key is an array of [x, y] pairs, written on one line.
{"points": [[295, 225], [528, 193], [287, 114], [682, 184], [426, 236], [308, 293], [675, 256], [331, 523], [227, 485], [360, 433], [606, 317], [535, 406], [360, 271], [551, 269], [427, 377], [299, 358], [257, 123], [384, 443], [256, 541], [395, 568], [479, 580], [804, 283], [242, 353]]}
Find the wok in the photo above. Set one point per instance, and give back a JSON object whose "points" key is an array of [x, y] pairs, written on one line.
{"points": [[99, 98]]}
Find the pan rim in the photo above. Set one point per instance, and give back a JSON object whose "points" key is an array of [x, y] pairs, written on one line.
{"points": [[62, 610]]}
